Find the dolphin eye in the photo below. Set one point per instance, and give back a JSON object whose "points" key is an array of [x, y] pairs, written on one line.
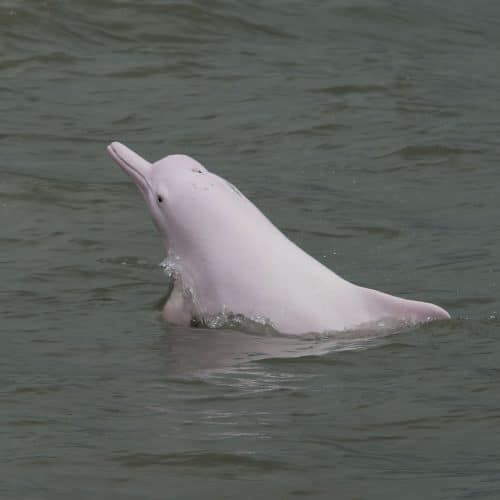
{"points": [[160, 198]]}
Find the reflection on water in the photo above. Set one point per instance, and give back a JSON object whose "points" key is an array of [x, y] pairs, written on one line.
{"points": [[191, 350]]}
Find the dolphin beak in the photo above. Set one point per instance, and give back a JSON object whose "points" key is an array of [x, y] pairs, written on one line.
{"points": [[134, 165]]}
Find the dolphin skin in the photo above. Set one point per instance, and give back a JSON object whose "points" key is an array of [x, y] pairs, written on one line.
{"points": [[227, 257]]}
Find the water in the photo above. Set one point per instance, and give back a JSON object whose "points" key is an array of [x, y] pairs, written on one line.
{"points": [[368, 131]]}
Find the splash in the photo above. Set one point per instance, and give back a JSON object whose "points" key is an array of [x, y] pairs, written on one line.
{"points": [[170, 265], [228, 320]]}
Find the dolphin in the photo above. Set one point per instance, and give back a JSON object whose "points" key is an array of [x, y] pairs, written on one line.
{"points": [[226, 258]]}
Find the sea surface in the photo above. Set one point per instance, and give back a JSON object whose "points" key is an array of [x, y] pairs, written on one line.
{"points": [[368, 131]]}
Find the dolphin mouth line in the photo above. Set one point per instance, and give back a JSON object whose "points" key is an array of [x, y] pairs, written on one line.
{"points": [[133, 172]]}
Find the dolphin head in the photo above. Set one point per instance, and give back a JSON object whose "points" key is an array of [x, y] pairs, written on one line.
{"points": [[169, 188]]}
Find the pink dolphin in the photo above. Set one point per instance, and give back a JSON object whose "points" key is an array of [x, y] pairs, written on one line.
{"points": [[227, 257]]}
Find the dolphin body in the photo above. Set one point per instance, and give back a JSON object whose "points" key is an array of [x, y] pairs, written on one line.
{"points": [[227, 257]]}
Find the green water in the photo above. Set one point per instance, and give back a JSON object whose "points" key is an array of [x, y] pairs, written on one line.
{"points": [[368, 131]]}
